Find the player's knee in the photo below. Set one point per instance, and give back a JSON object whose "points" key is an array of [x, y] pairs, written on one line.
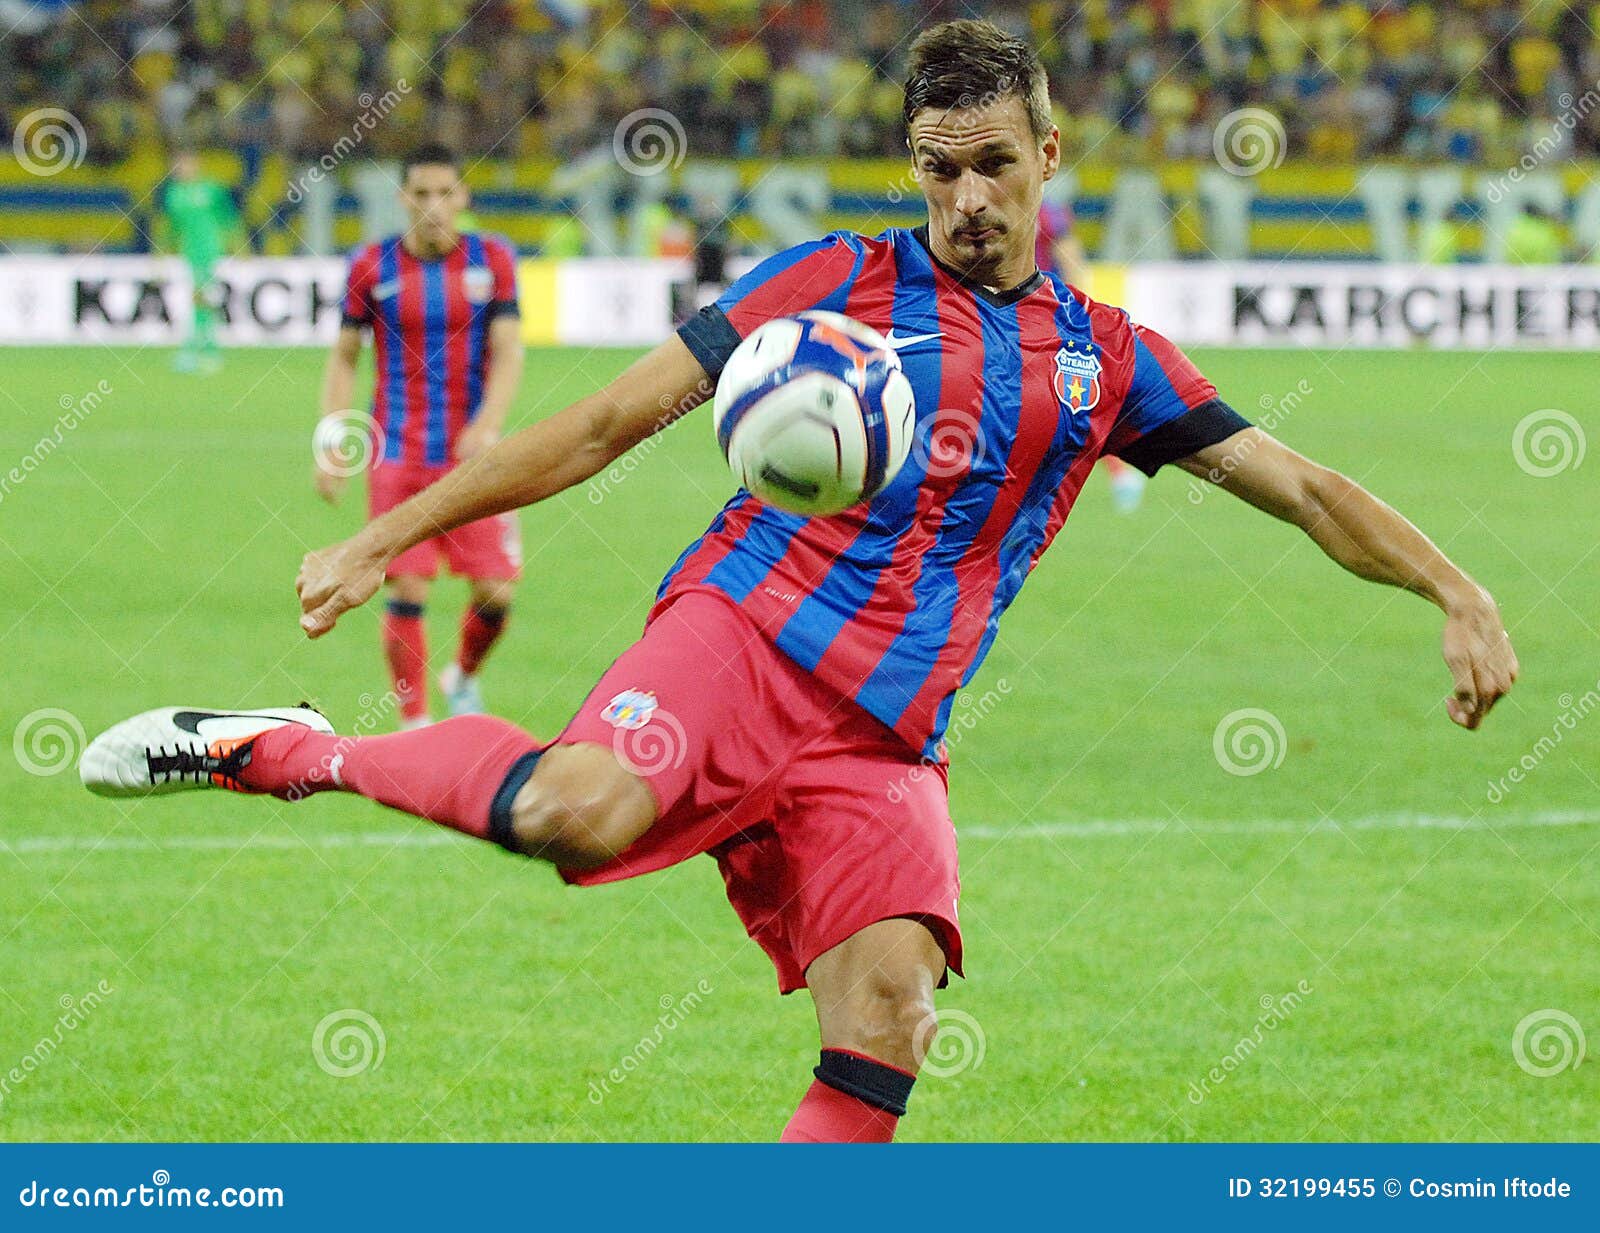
{"points": [[493, 594], [576, 817], [891, 1016]]}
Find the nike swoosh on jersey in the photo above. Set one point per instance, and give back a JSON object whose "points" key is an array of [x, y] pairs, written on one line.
{"points": [[382, 291], [898, 342]]}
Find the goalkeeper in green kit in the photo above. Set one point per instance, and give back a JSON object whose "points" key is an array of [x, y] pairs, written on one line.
{"points": [[200, 224]]}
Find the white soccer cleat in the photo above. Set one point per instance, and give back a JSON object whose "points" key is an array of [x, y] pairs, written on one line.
{"points": [[176, 748], [460, 691]]}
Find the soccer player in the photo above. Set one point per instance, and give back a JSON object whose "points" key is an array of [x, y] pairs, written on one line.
{"points": [[1057, 250], [784, 708], [441, 304], [201, 223]]}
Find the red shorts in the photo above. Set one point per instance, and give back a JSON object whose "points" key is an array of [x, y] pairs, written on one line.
{"points": [[822, 820], [488, 548]]}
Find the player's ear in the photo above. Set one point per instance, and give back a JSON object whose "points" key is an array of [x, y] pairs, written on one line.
{"points": [[1052, 153]]}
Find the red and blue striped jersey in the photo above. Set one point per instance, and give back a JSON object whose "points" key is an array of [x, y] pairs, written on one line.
{"points": [[430, 337], [895, 602]]}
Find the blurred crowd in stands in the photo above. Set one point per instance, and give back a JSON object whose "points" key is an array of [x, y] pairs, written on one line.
{"points": [[1479, 81]]}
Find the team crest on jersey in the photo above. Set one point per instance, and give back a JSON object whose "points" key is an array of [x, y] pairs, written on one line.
{"points": [[1077, 377], [630, 709], [477, 284]]}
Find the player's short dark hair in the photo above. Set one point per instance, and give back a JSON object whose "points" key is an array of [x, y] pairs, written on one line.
{"points": [[429, 154], [960, 64]]}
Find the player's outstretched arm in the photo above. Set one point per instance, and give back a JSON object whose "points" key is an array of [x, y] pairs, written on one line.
{"points": [[537, 462], [1376, 542]]}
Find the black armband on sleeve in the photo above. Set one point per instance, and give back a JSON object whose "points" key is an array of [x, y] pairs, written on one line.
{"points": [[711, 338], [1192, 431], [354, 322]]}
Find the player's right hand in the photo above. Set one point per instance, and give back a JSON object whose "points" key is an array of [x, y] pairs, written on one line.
{"points": [[328, 482], [334, 580]]}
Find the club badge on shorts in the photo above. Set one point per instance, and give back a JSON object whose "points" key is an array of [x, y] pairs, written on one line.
{"points": [[630, 709], [1077, 377]]}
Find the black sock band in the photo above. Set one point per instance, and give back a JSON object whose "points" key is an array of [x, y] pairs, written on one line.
{"points": [[404, 608], [882, 1087], [505, 797], [492, 615]]}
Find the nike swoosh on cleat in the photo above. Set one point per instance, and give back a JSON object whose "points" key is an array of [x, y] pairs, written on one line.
{"points": [[898, 342], [221, 725]]}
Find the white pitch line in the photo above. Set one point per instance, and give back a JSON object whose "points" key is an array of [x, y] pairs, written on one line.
{"points": [[1108, 828]]}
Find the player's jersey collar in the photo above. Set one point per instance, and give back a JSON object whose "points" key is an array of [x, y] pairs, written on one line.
{"points": [[1000, 299]]}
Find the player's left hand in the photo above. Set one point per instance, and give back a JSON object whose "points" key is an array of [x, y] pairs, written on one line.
{"points": [[475, 439], [1477, 650]]}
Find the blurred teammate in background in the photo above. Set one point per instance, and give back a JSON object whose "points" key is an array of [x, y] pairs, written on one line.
{"points": [[1057, 250], [199, 223], [442, 307]]}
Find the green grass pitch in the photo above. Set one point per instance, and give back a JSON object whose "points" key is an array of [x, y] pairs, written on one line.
{"points": [[1137, 917]]}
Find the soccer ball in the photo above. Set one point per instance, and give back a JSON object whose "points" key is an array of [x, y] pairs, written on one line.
{"points": [[813, 413]]}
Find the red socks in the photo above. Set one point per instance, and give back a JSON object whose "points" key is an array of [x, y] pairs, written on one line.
{"points": [[449, 772], [855, 1099], [405, 646], [479, 629]]}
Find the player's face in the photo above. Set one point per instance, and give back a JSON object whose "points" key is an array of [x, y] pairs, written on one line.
{"points": [[982, 172], [433, 197]]}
